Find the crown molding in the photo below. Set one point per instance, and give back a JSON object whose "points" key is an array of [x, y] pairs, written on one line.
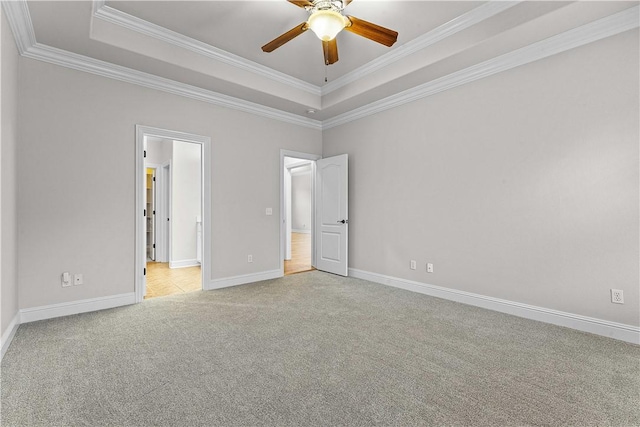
{"points": [[468, 19], [617, 23], [78, 62], [117, 17], [20, 21], [462, 22], [17, 13]]}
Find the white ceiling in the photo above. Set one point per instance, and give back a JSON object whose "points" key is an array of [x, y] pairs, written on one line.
{"points": [[242, 27], [214, 46]]}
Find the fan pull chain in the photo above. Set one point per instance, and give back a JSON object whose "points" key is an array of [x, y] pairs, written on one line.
{"points": [[326, 68]]}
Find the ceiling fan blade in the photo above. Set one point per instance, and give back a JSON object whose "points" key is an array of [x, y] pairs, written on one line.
{"points": [[345, 3], [330, 51], [371, 31], [283, 38], [301, 3]]}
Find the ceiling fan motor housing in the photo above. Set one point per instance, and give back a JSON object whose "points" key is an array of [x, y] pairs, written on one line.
{"points": [[326, 21], [334, 5]]}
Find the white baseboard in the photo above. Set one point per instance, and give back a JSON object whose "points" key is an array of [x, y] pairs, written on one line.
{"points": [[75, 307], [303, 231], [241, 280], [619, 331], [7, 337], [184, 263]]}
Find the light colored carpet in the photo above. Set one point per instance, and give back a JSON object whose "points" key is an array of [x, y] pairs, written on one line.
{"points": [[313, 349]]}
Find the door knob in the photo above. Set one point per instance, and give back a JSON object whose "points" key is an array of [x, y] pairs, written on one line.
{"points": [[344, 221]]}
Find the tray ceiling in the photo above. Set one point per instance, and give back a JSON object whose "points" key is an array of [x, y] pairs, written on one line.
{"points": [[214, 46]]}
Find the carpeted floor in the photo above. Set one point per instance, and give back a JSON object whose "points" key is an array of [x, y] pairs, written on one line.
{"points": [[314, 349]]}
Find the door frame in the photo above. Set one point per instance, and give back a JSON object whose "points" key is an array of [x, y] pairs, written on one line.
{"points": [[140, 245], [165, 210], [306, 156]]}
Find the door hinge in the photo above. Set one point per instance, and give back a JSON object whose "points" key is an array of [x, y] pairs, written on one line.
{"points": [[154, 212], [144, 213], [154, 179], [145, 153], [144, 272], [154, 246]]}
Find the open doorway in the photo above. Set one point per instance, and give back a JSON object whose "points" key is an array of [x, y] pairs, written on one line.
{"points": [[173, 199], [297, 231], [174, 216]]}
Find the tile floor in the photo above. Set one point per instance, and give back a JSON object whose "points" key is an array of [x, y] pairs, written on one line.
{"points": [[163, 281]]}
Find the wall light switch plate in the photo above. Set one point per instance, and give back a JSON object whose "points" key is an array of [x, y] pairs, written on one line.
{"points": [[429, 268], [412, 264], [269, 211]]}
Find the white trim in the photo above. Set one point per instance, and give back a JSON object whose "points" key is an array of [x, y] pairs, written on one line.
{"points": [[8, 335], [140, 257], [462, 22], [298, 164], [20, 21], [78, 62], [619, 331], [139, 281], [241, 280], [468, 19], [297, 155], [158, 32], [304, 169], [594, 31], [303, 231], [19, 18], [184, 263], [166, 211], [75, 307]]}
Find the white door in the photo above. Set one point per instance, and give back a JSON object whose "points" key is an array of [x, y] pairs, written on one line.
{"points": [[332, 220]]}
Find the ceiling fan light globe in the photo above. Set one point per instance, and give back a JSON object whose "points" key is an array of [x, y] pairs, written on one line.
{"points": [[326, 24]]}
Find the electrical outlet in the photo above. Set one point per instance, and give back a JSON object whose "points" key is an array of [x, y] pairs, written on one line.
{"points": [[413, 264], [249, 258], [429, 268], [78, 279], [617, 296]]}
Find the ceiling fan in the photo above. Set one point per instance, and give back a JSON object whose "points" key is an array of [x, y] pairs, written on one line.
{"points": [[326, 21]]}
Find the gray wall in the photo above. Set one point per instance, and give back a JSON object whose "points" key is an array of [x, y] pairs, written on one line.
{"points": [[301, 198], [186, 201], [8, 178], [70, 118], [521, 186], [186, 190], [159, 151]]}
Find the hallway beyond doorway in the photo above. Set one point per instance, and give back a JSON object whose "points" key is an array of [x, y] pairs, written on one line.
{"points": [[300, 254], [163, 281]]}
